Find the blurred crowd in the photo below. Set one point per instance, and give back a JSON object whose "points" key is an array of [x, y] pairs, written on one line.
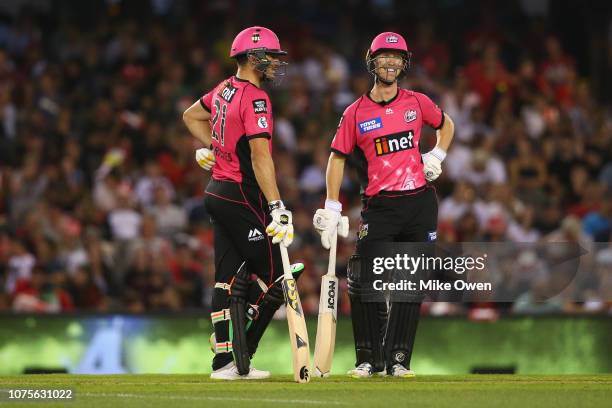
{"points": [[101, 199]]}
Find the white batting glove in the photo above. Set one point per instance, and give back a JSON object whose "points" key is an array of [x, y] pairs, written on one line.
{"points": [[281, 227], [328, 221], [205, 158], [432, 163]]}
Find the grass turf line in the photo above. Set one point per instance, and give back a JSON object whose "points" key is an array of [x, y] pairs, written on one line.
{"points": [[337, 391]]}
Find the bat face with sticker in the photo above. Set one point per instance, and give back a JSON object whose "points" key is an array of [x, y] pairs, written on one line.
{"points": [[298, 335], [328, 307]]}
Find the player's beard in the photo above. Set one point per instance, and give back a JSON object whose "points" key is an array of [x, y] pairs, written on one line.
{"points": [[384, 78], [275, 73]]}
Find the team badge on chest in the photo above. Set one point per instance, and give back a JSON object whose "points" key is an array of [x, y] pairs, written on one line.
{"points": [[410, 115]]}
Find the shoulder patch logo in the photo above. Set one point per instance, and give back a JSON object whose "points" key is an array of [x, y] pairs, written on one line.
{"points": [[228, 92], [260, 106], [370, 125], [255, 38], [410, 115], [262, 122]]}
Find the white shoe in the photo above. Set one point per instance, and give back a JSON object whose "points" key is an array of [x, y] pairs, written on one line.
{"points": [[255, 374], [399, 370], [230, 373], [363, 370]]}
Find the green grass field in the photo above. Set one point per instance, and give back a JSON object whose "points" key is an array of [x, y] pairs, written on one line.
{"points": [[423, 391]]}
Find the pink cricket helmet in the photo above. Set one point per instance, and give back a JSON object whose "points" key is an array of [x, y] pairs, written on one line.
{"points": [[388, 41], [256, 39]]}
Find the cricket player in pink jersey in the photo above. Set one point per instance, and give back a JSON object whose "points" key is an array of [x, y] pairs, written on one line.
{"points": [[382, 130], [235, 120]]}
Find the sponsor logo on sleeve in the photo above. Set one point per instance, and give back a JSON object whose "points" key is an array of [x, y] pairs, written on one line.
{"points": [[260, 106], [262, 122], [432, 236], [410, 115], [228, 92], [370, 125]]}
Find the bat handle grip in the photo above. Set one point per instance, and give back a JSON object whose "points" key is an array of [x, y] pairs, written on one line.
{"points": [[286, 265], [331, 266]]}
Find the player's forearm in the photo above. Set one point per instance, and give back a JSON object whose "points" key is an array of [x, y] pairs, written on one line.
{"points": [[335, 171], [196, 119], [263, 167], [446, 133], [200, 129]]}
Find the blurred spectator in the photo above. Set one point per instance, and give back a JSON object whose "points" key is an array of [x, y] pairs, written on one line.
{"points": [[149, 182], [537, 301], [169, 218], [85, 294], [526, 171], [460, 202], [483, 168], [488, 75], [124, 221], [187, 273], [41, 294], [522, 229], [557, 72], [19, 267], [598, 223], [459, 103]]}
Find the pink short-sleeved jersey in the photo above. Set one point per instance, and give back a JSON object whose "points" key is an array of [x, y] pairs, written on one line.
{"points": [[240, 111], [385, 139]]}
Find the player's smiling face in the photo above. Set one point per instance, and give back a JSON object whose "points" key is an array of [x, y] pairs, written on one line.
{"points": [[389, 65]]}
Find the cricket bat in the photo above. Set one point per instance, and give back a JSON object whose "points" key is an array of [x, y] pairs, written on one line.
{"points": [[328, 310], [298, 336]]}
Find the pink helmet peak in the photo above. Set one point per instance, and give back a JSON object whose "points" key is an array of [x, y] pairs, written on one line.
{"points": [[256, 39], [388, 41]]}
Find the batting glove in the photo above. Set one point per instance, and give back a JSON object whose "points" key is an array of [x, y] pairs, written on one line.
{"points": [[432, 163], [328, 221], [205, 158], [281, 227]]}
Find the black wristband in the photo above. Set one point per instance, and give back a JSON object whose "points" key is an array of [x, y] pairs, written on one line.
{"points": [[276, 205]]}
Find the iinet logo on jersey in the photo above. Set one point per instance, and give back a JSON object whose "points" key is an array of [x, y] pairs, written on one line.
{"points": [[393, 143], [228, 92], [255, 235]]}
